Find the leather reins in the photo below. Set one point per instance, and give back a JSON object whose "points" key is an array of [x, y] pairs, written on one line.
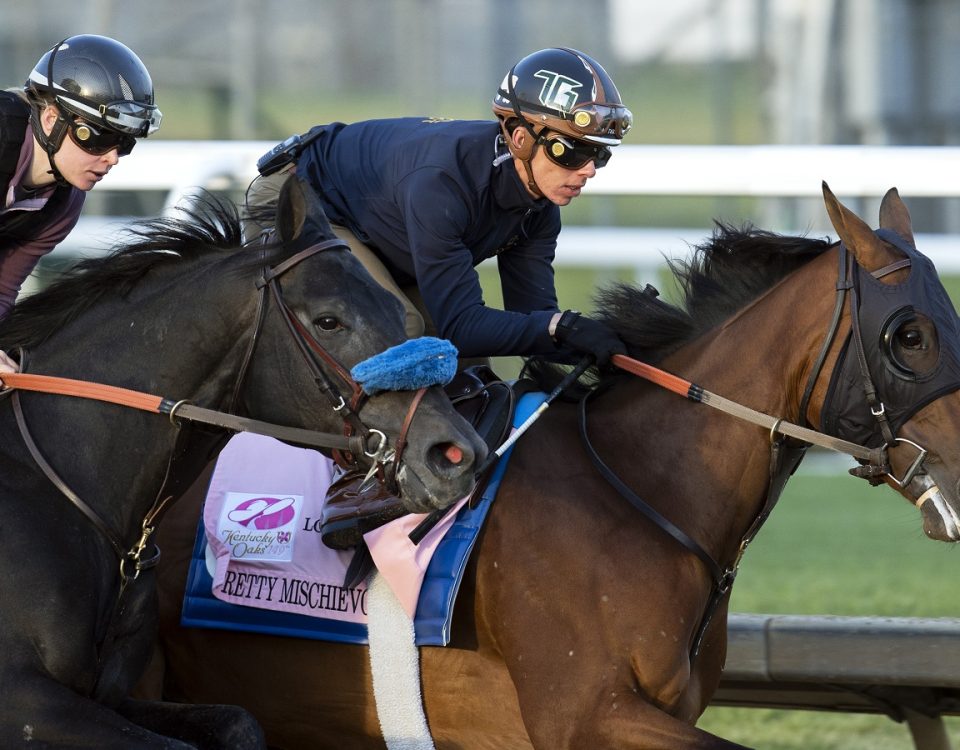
{"points": [[176, 410], [784, 457]]}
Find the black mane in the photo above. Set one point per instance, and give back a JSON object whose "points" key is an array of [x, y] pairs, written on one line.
{"points": [[724, 273], [210, 225]]}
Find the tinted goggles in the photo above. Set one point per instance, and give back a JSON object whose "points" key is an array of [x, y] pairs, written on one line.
{"points": [[99, 141], [570, 153]]}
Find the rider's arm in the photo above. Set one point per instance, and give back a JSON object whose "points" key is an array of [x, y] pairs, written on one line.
{"points": [[437, 217], [18, 262]]}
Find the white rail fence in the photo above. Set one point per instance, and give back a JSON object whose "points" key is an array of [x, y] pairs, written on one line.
{"points": [[179, 167], [906, 668]]}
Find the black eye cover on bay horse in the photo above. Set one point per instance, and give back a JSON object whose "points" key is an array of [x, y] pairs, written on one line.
{"points": [[846, 413]]}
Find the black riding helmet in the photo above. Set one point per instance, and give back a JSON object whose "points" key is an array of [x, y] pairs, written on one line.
{"points": [[563, 91], [97, 79]]}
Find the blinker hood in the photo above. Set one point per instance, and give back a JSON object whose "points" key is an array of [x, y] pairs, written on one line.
{"points": [[882, 309]]}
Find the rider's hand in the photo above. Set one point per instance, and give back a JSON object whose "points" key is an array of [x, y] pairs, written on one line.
{"points": [[7, 364], [588, 336]]}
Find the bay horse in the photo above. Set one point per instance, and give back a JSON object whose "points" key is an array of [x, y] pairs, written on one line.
{"points": [[580, 622], [176, 312]]}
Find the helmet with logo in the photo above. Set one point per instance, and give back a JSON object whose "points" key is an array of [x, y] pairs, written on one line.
{"points": [[567, 92], [99, 80]]}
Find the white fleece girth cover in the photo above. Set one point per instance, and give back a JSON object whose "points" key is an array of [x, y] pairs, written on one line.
{"points": [[395, 664]]}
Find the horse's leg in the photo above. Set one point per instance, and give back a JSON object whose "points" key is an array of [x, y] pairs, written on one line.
{"points": [[641, 726], [41, 712], [212, 727], [602, 713]]}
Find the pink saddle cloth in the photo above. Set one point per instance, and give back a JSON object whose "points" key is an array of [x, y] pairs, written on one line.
{"points": [[262, 523]]}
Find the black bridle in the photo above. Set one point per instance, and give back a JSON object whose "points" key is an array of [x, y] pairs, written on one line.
{"points": [[848, 289]]}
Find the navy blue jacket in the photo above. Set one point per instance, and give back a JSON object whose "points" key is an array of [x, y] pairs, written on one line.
{"points": [[434, 198]]}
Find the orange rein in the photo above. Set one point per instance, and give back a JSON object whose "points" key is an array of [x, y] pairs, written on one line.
{"points": [[82, 389], [653, 374], [775, 425], [180, 409]]}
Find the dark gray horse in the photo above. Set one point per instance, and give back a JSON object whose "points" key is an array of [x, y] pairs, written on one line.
{"points": [[178, 313]]}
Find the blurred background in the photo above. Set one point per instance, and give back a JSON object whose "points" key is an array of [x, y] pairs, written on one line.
{"points": [[694, 72]]}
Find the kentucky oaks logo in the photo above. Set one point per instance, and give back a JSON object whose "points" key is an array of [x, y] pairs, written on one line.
{"points": [[259, 527]]}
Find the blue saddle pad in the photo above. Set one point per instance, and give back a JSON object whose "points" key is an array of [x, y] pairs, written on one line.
{"points": [[437, 594]]}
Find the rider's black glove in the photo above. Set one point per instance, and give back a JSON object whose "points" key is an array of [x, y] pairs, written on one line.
{"points": [[588, 336]]}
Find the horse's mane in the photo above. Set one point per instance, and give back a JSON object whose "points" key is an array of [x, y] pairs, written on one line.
{"points": [[209, 225], [730, 269]]}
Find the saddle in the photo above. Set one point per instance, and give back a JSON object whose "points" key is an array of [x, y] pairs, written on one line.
{"points": [[485, 401], [356, 504]]}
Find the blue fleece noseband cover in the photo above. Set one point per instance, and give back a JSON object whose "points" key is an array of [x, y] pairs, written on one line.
{"points": [[417, 363]]}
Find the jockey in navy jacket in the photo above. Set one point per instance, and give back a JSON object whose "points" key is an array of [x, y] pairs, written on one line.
{"points": [[423, 201], [434, 198]]}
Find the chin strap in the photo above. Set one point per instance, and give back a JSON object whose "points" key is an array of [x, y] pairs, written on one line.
{"points": [[531, 182], [51, 143], [525, 156]]}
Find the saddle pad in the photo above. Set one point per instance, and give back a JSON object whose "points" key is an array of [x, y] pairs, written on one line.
{"points": [[438, 591]]}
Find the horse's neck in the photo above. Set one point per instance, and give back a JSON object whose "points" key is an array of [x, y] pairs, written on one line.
{"points": [[762, 355], [181, 338], [705, 469]]}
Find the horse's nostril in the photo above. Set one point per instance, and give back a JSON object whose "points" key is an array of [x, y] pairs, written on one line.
{"points": [[453, 454]]}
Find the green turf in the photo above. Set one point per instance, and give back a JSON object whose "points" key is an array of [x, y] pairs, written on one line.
{"points": [[835, 545], [767, 729]]}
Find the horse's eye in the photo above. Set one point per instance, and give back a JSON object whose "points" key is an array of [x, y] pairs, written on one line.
{"points": [[327, 323], [910, 338]]}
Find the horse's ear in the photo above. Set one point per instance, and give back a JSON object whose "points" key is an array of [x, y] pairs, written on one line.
{"points": [[870, 251], [895, 216], [291, 210], [299, 214]]}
